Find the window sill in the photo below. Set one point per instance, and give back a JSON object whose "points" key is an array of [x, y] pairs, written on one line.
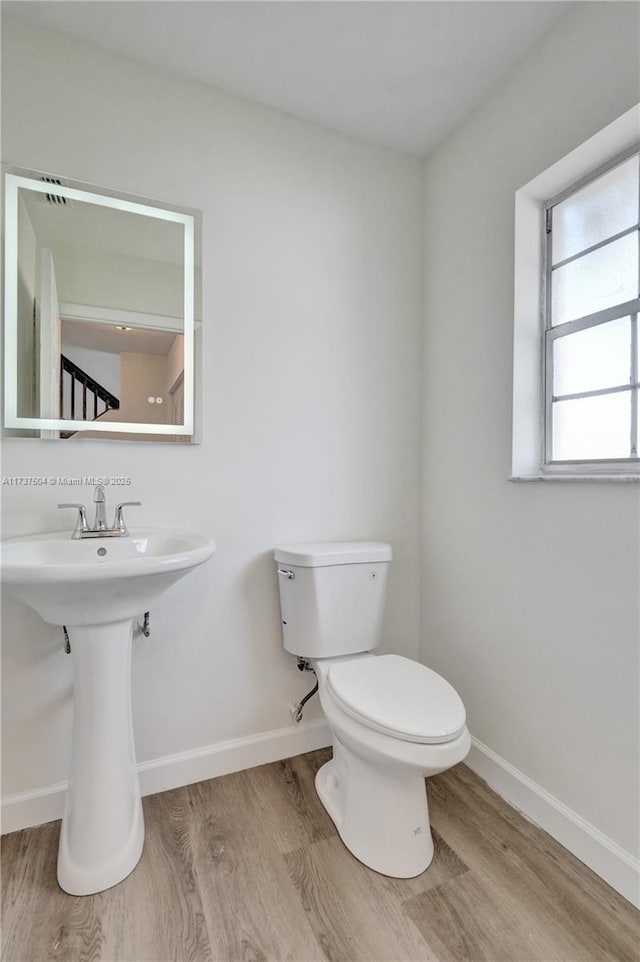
{"points": [[624, 478]]}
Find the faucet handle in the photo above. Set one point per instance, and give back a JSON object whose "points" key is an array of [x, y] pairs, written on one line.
{"points": [[118, 521], [81, 522]]}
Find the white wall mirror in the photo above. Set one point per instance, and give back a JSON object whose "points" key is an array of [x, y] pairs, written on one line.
{"points": [[102, 316]]}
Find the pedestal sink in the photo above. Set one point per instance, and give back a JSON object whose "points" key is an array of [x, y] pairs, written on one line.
{"points": [[97, 588]]}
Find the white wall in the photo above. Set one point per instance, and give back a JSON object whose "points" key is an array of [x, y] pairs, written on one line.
{"points": [[144, 376], [175, 362], [530, 592], [312, 276], [105, 279]]}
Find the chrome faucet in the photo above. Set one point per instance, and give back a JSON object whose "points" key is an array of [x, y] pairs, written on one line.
{"points": [[100, 529], [100, 523]]}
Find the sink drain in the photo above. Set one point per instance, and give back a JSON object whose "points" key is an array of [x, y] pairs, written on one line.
{"points": [[102, 552]]}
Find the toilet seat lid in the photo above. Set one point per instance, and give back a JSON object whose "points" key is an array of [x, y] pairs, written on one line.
{"points": [[398, 697]]}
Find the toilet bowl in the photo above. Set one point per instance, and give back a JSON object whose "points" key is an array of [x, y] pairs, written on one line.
{"points": [[393, 721], [374, 786]]}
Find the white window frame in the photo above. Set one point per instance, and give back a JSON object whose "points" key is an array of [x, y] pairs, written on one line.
{"points": [[552, 333], [529, 461]]}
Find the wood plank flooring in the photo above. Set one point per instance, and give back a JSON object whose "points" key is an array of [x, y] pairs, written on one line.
{"points": [[249, 868]]}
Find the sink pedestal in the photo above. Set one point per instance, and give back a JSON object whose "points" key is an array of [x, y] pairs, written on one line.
{"points": [[102, 828]]}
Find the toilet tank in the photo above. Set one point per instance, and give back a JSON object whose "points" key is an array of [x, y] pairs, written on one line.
{"points": [[332, 596]]}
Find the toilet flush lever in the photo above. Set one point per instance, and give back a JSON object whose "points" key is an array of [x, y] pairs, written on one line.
{"points": [[287, 573]]}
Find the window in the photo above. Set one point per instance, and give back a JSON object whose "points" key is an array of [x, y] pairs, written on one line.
{"points": [[576, 313], [591, 305]]}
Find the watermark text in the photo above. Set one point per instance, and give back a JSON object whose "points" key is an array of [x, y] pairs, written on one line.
{"points": [[60, 481]]}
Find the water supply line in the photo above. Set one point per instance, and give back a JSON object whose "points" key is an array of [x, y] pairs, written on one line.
{"points": [[303, 665]]}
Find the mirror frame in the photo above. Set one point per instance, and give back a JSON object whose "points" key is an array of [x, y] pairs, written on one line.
{"points": [[103, 197]]}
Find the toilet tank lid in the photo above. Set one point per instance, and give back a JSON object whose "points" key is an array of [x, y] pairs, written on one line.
{"points": [[333, 553]]}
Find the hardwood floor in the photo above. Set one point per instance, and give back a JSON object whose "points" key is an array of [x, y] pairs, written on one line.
{"points": [[249, 868]]}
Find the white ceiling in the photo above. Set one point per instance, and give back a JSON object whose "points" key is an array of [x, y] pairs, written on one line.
{"points": [[113, 340], [395, 73]]}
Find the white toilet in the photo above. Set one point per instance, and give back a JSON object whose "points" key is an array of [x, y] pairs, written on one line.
{"points": [[393, 720]]}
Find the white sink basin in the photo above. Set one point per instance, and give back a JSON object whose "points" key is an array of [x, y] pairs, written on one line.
{"points": [[98, 580], [97, 587]]}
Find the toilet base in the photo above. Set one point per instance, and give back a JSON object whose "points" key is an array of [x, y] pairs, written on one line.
{"points": [[382, 817]]}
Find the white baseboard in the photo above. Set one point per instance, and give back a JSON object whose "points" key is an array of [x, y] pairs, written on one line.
{"points": [[33, 808], [605, 857], [26, 809]]}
